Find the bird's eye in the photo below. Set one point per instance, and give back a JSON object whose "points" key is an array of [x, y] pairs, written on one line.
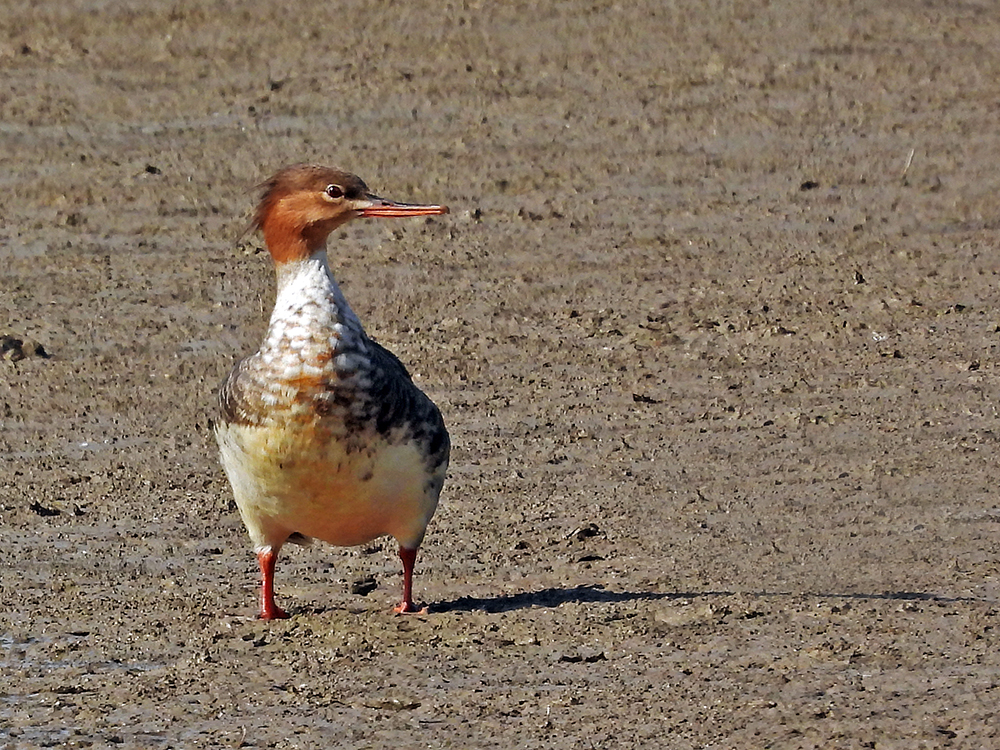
{"points": [[335, 191]]}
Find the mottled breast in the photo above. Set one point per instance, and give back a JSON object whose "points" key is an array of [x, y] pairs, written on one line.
{"points": [[351, 393]]}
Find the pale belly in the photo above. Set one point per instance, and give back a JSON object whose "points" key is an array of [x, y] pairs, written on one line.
{"points": [[340, 492]]}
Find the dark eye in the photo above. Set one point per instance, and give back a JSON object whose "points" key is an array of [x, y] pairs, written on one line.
{"points": [[335, 191]]}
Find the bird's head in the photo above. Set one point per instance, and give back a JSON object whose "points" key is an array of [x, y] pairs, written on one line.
{"points": [[303, 203]]}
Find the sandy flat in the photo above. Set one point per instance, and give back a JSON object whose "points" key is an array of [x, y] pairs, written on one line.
{"points": [[713, 323]]}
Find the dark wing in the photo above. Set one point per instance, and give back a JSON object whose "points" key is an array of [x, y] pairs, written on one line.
{"points": [[396, 403]]}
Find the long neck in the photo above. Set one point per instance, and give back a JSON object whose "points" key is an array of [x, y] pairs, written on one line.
{"points": [[311, 315]]}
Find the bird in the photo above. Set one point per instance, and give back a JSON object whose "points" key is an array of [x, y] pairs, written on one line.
{"points": [[322, 432]]}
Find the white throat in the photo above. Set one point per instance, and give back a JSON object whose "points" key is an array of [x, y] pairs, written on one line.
{"points": [[311, 311]]}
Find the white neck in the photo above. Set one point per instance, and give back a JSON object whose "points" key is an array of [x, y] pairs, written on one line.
{"points": [[310, 308]]}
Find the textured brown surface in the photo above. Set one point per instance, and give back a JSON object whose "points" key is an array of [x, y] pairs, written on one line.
{"points": [[713, 323]]}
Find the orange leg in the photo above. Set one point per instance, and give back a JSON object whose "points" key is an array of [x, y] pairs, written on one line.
{"points": [[268, 609], [409, 557]]}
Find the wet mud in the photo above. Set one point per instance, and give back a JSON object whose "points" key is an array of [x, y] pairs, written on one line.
{"points": [[713, 323]]}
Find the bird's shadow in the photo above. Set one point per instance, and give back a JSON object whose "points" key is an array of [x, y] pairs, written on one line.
{"points": [[594, 594], [551, 597]]}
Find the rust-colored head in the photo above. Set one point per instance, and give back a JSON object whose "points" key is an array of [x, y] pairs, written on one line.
{"points": [[303, 203]]}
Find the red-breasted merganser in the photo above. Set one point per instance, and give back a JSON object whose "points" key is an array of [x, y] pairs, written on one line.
{"points": [[322, 432]]}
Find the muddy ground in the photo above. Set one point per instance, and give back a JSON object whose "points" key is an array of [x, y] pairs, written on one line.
{"points": [[713, 321]]}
